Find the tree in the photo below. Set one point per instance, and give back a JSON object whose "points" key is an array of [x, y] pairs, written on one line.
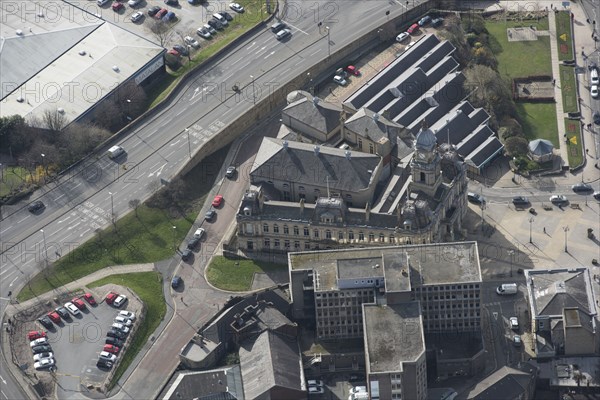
{"points": [[54, 120], [131, 99], [456, 36], [108, 115], [78, 140], [516, 146], [134, 204], [161, 31], [488, 90]]}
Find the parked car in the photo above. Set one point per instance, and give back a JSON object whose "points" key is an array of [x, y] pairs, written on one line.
{"points": [[402, 37], [215, 24], [123, 321], [38, 341], [90, 299], [107, 356], [102, 2], [282, 34], [210, 215], [40, 356], [596, 195], [559, 199], [236, 7], [110, 298], [514, 323], [193, 243], [176, 281], [115, 333], [79, 303], [594, 91], [36, 206], [424, 21], [152, 11], [210, 29], [44, 363], [520, 201], [217, 201], [340, 80], [190, 41], [475, 198], [582, 187], [204, 33], [105, 364], [127, 314], [169, 16], [517, 340], [120, 327], [136, 16], [230, 173], [314, 382], [134, 3], [46, 322], [352, 70], [186, 254], [119, 301], [437, 22], [72, 308], [315, 390], [199, 233], [63, 312], [54, 317], [172, 2], [116, 6], [226, 15], [161, 13], [181, 49], [109, 348], [356, 378], [277, 26], [414, 28], [114, 341], [44, 348], [33, 335]]}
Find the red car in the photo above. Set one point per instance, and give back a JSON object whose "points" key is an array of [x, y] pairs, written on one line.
{"points": [[217, 201], [35, 335], [79, 303], [161, 13], [352, 70], [414, 28], [111, 297], [53, 315], [111, 349], [173, 52], [90, 299], [117, 6]]}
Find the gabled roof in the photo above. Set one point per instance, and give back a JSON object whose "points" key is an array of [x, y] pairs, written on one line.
{"points": [[222, 384], [371, 125], [506, 383], [321, 115], [302, 163]]}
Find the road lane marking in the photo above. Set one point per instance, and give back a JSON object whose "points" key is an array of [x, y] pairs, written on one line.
{"points": [[13, 281], [298, 29], [1, 232], [18, 222], [270, 54]]}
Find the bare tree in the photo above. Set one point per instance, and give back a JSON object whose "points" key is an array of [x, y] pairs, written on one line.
{"points": [[108, 114], [54, 120], [134, 204], [131, 99], [78, 140], [181, 38], [162, 31]]}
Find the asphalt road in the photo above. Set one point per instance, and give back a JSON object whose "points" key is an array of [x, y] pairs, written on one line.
{"points": [[91, 195]]}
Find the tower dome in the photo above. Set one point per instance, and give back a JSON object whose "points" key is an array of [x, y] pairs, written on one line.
{"points": [[426, 139]]}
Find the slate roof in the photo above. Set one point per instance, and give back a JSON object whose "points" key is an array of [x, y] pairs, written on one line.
{"points": [[541, 147], [323, 116], [300, 163], [373, 126], [506, 383], [270, 361], [216, 384]]}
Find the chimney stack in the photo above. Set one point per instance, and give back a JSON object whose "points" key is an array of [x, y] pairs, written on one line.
{"points": [[367, 212], [348, 154], [317, 150]]}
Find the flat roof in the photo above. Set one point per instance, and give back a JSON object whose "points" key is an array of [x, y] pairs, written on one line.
{"points": [[393, 335], [359, 268], [64, 57]]}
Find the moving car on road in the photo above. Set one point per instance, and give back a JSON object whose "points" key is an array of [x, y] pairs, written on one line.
{"points": [[36, 206], [475, 198], [582, 187], [230, 173], [277, 26], [559, 199], [282, 34], [520, 201], [514, 323]]}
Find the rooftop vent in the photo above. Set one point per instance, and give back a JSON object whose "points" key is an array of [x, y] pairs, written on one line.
{"points": [[315, 100], [348, 154], [20, 99], [376, 117], [285, 144], [61, 110], [115, 68], [370, 171], [317, 150], [82, 52], [19, 32]]}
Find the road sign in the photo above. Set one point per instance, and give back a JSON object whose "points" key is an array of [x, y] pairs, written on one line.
{"points": [[495, 314]]}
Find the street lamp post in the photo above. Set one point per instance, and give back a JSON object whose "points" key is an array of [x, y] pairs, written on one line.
{"points": [[328, 42], [112, 208], [44, 164], [566, 229], [45, 247], [128, 116], [187, 131], [530, 222], [511, 253], [174, 238], [310, 88], [253, 89]]}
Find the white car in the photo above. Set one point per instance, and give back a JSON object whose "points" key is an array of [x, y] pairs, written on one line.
{"points": [[199, 233], [514, 322], [204, 32], [107, 356], [127, 314], [594, 91], [282, 34], [558, 199], [133, 3], [517, 340], [41, 356], [103, 2], [315, 390], [39, 341], [402, 37], [44, 363], [236, 7], [136, 16], [191, 42], [340, 80], [123, 321], [314, 382], [119, 301], [72, 308], [120, 327]]}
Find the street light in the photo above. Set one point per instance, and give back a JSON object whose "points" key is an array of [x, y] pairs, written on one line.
{"points": [[128, 116], [44, 164], [174, 239], [566, 229], [253, 89], [45, 247], [187, 131], [112, 208], [511, 253], [530, 222], [310, 88], [328, 42]]}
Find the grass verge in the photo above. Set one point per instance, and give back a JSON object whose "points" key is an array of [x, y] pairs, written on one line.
{"points": [[568, 88], [564, 36], [143, 236], [13, 178], [573, 142], [539, 121], [236, 275], [148, 287]]}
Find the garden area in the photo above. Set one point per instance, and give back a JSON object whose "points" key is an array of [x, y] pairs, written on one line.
{"points": [[236, 275]]}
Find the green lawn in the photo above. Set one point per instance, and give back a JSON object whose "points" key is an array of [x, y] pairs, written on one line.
{"points": [[236, 275], [568, 88], [148, 287], [574, 145], [539, 121], [520, 59], [12, 178], [564, 36]]}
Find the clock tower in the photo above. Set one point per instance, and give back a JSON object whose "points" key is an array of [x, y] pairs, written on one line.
{"points": [[425, 165]]}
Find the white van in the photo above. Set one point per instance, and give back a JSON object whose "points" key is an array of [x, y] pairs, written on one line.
{"points": [[220, 18], [594, 79], [507, 288], [115, 152]]}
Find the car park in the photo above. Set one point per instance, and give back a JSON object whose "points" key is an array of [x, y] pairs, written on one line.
{"points": [[115, 333], [558, 199], [582, 187], [180, 49], [44, 348], [39, 341], [186, 254], [120, 327], [161, 13], [33, 335], [79, 303], [204, 33], [520, 201], [176, 281], [36, 206], [114, 341], [236, 7], [282, 34], [199, 233], [514, 323], [44, 363], [230, 173], [277, 26], [152, 11], [109, 348], [46, 322], [217, 201], [90, 299], [119, 301], [340, 80], [39, 356], [123, 321], [136, 16], [107, 356], [437, 22], [116, 6], [110, 298], [414, 28], [352, 70], [190, 41], [63, 312], [424, 21], [475, 198], [402, 37], [210, 215], [72, 308]]}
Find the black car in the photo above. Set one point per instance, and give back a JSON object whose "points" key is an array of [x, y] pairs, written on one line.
{"points": [[596, 118], [115, 333], [520, 201], [186, 254], [102, 363], [172, 2], [46, 322], [215, 24], [193, 243], [181, 49], [276, 27], [226, 15], [114, 341], [582, 188], [36, 206], [63, 313], [210, 215], [43, 348], [176, 281], [153, 10], [475, 198], [596, 195]]}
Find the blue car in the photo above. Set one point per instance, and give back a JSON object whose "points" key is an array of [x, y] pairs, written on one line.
{"points": [[425, 20], [169, 16], [176, 281]]}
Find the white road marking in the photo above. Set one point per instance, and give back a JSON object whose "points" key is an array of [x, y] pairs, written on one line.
{"points": [[13, 281], [84, 232], [298, 29], [252, 45], [237, 61], [312, 54], [270, 54], [174, 143], [59, 196], [157, 171], [74, 226], [1, 232], [18, 222], [3, 381]]}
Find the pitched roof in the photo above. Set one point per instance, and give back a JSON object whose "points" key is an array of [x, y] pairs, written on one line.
{"points": [[540, 147], [506, 383], [302, 163], [222, 384], [321, 115], [371, 125], [558, 289]]}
